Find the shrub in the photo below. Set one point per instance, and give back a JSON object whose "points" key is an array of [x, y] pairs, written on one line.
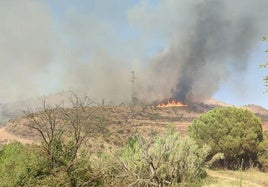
{"points": [[18, 165], [232, 131], [167, 159]]}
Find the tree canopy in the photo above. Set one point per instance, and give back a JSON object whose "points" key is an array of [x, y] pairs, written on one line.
{"points": [[232, 131]]}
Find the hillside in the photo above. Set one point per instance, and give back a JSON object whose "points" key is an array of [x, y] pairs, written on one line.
{"points": [[117, 123], [262, 112], [7, 137], [113, 125]]}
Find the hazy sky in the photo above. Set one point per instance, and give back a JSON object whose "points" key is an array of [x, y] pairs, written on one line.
{"points": [[51, 46]]}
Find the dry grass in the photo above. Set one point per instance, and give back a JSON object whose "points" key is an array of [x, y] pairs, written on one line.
{"points": [[117, 123], [6, 137], [213, 182], [224, 178], [265, 127]]}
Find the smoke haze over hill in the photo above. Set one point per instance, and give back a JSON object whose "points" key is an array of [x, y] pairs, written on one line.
{"points": [[47, 47]]}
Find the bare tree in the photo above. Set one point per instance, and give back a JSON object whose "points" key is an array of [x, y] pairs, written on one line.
{"points": [[78, 119], [62, 130], [46, 122]]}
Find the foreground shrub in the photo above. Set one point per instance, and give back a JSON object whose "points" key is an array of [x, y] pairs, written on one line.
{"points": [[82, 174], [18, 165], [26, 165], [232, 131], [164, 160]]}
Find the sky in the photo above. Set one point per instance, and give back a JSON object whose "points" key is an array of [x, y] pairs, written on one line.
{"points": [[188, 49]]}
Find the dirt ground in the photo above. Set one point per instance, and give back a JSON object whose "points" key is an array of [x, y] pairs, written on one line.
{"points": [[8, 137]]}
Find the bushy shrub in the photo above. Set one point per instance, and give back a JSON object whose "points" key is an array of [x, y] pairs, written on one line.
{"points": [[232, 131], [163, 160], [18, 165]]}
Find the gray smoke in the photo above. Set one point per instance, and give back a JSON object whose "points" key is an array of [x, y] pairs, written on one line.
{"points": [[218, 42], [50, 46]]}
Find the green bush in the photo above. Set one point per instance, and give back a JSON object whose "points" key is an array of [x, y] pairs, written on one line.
{"points": [[25, 165], [18, 165], [263, 154], [163, 160], [167, 159], [232, 131]]}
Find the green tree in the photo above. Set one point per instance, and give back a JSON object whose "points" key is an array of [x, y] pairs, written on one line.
{"points": [[232, 131], [263, 153]]}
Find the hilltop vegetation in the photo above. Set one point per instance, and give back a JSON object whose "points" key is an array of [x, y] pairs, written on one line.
{"points": [[113, 121]]}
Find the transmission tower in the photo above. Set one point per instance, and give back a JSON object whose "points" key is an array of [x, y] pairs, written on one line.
{"points": [[133, 90]]}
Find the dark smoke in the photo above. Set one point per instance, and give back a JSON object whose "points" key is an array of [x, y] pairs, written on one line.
{"points": [[216, 45]]}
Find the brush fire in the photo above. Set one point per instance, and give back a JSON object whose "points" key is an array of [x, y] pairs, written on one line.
{"points": [[171, 103]]}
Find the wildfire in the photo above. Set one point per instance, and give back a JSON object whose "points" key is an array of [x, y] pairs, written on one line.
{"points": [[171, 103]]}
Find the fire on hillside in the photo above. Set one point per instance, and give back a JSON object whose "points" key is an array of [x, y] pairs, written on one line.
{"points": [[171, 103]]}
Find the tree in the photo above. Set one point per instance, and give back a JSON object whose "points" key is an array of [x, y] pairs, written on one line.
{"points": [[263, 154], [62, 131], [46, 123], [232, 131]]}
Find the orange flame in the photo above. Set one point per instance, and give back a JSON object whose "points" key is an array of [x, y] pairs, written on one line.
{"points": [[172, 103]]}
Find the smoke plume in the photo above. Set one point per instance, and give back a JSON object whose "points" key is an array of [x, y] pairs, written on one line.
{"points": [[178, 49], [216, 42]]}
